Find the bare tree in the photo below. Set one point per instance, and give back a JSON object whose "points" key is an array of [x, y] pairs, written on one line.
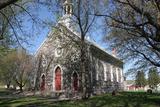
{"points": [[135, 31], [16, 66], [7, 68], [13, 14], [23, 67]]}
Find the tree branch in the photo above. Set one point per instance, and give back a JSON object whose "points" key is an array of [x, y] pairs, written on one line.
{"points": [[25, 11], [16, 36], [5, 3]]}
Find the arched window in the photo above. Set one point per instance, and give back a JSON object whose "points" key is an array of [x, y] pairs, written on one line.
{"points": [[68, 10], [58, 79], [114, 74], [75, 81], [42, 87], [119, 75], [100, 71], [108, 75]]}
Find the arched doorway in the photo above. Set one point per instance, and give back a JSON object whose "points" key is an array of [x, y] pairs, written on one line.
{"points": [[58, 79], [75, 81], [42, 82]]}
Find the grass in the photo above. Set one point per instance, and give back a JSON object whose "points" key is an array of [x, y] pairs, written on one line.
{"points": [[124, 99]]}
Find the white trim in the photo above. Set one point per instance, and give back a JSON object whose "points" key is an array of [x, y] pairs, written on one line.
{"points": [[54, 77], [111, 72], [97, 70], [56, 51], [117, 74], [105, 71], [42, 75], [108, 71], [121, 72]]}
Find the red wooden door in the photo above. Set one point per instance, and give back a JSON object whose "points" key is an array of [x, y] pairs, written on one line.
{"points": [[75, 81], [58, 79]]}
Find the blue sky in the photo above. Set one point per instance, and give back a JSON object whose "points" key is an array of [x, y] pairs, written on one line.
{"points": [[40, 31]]}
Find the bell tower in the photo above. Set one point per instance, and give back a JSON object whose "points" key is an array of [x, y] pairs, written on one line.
{"points": [[68, 7], [67, 18]]}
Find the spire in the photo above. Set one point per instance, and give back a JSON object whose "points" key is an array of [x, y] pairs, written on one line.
{"points": [[68, 7]]}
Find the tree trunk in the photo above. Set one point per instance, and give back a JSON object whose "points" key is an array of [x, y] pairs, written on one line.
{"points": [[84, 88], [8, 85], [21, 87], [37, 87], [38, 74], [14, 86], [84, 85], [6, 3]]}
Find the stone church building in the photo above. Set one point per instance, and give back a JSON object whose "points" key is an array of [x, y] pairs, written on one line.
{"points": [[59, 60]]}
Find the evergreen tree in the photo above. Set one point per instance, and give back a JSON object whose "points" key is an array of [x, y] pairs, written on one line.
{"points": [[153, 78], [140, 79]]}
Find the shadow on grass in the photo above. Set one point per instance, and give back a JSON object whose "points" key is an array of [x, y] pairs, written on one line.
{"points": [[121, 100], [124, 99], [4, 92]]}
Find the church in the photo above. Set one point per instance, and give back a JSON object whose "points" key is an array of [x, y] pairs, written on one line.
{"points": [[59, 60]]}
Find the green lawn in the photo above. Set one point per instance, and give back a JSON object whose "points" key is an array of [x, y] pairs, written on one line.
{"points": [[124, 99]]}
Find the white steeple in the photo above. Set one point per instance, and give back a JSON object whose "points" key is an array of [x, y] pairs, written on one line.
{"points": [[66, 19]]}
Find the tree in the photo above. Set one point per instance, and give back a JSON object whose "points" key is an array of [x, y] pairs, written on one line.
{"points": [[13, 15], [153, 78], [9, 15], [23, 68], [16, 66], [135, 31], [38, 70], [7, 68], [140, 79]]}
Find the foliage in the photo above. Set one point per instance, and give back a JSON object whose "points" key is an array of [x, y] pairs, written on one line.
{"points": [[140, 79], [153, 78]]}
